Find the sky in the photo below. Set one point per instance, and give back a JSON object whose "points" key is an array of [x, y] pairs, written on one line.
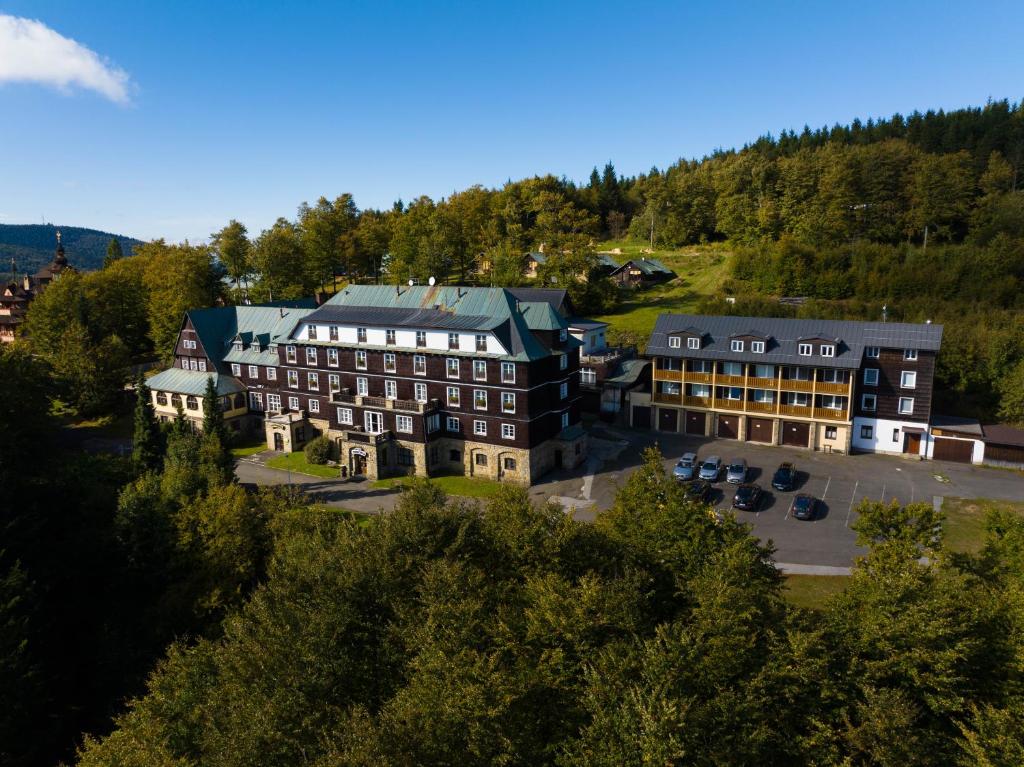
{"points": [[168, 119]]}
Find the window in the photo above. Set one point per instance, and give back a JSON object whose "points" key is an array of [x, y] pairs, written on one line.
{"points": [[453, 425], [563, 334], [202, 366], [332, 357], [293, 379], [273, 403], [479, 370], [237, 345], [254, 371], [390, 388], [420, 392], [588, 376], [480, 428], [481, 343], [736, 346], [313, 380], [908, 379], [360, 359], [373, 421], [191, 403], [453, 340], [508, 372], [674, 342], [333, 330], [161, 398], [829, 375], [255, 401], [389, 362], [565, 420], [361, 335], [421, 338], [896, 435], [345, 416], [692, 343], [831, 432], [871, 352], [406, 457], [479, 399], [871, 376], [403, 423], [730, 392], [289, 353], [389, 337], [311, 332], [699, 390], [764, 371], [480, 459], [867, 432], [563, 390], [563, 362], [763, 395], [362, 387], [271, 374], [906, 406], [310, 355], [433, 423], [236, 369], [293, 403], [668, 387], [333, 382], [452, 367], [453, 396], [508, 431], [804, 350], [833, 402], [193, 363], [828, 350], [868, 402], [314, 405], [175, 401], [419, 365], [188, 344], [510, 464], [757, 347], [910, 354]]}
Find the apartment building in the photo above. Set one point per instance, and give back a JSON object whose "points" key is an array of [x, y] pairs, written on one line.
{"points": [[820, 384]]}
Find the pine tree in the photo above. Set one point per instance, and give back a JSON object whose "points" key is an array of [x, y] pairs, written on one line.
{"points": [[114, 252], [147, 443], [213, 416]]}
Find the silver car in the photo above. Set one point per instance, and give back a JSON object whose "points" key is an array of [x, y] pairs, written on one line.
{"points": [[737, 472], [685, 467], [710, 469]]}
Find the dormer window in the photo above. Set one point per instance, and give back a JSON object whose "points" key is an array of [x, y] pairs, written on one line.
{"points": [[871, 352], [805, 350], [311, 332], [674, 342], [757, 347], [563, 334], [333, 330], [910, 354], [361, 335], [238, 344], [736, 345], [828, 350], [692, 343], [389, 337]]}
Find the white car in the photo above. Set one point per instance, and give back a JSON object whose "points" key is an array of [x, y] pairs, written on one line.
{"points": [[710, 469]]}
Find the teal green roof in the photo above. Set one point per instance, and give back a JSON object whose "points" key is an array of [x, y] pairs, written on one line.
{"points": [[178, 381], [603, 259], [541, 316], [267, 324], [649, 266]]}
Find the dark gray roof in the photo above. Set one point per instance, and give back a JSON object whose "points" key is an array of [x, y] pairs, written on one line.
{"points": [[1002, 434], [392, 317], [556, 297], [970, 426], [785, 334], [580, 323]]}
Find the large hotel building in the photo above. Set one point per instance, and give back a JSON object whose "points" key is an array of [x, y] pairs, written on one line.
{"points": [[825, 385]]}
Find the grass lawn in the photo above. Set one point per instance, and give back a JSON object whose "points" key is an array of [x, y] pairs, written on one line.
{"points": [[297, 462], [469, 487], [811, 591], [248, 447], [108, 426], [701, 270], [965, 521]]}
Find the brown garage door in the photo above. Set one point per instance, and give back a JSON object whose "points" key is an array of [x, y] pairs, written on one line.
{"points": [[641, 417], [953, 450], [728, 426], [759, 430], [796, 433], [668, 419], [696, 423]]}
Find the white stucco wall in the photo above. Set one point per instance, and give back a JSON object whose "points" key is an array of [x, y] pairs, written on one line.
{"points": [[881, 439]]}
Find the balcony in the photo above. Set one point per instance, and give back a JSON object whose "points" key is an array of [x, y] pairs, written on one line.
{"points": [[761, 407], [724, 380], [374, 402], [669, 399], [364, 437], [829, 414], [608, 355], [792, 384], [405, 405], [697, 401], [668, 375], [802, 411], [700, 378], [728, 404], [832, 388], [762, 383]]}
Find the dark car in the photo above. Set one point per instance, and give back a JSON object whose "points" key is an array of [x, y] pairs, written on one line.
{"points": [[785, 477], [747, 498], [698, 490], [804, 507]]}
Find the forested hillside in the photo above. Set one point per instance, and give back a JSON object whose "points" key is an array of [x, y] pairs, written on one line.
{"points": [[32, 246]]}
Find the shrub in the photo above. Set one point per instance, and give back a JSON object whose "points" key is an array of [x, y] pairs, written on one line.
{"points": [[318, 450]]}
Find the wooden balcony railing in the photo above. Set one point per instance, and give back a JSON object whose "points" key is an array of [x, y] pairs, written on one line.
{"points": [[701, 378], [697, 401], [374, 402], [668, 399], [668, 375], [832, 388], [797, 410], [729, 404], [724, 380], [762, 383], [828, 414], [761, 407], [791, 384]]}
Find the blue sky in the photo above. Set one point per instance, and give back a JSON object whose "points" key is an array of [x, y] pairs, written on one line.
{"points": [[244, 110]]}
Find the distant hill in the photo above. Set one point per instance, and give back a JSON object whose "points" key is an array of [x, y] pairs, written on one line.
{"points": [[33, 245]]}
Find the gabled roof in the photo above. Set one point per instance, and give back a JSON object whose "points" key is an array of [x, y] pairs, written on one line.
{"points": [[557, 297], [648, 266], [581, 323], [603, 259], [178, 381], [217, 328], [1001, 434], [787, 334], [540, 258], [541, 316]]}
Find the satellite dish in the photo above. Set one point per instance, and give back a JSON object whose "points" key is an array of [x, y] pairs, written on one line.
{"points": [[431, 282], [411, 281]]}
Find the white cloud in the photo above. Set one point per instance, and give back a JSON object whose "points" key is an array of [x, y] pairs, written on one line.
{"points": [[32, 52]]}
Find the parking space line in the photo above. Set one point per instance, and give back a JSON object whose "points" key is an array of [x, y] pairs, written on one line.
{"points": [[883, 493], [825, 491], [852, 499]]}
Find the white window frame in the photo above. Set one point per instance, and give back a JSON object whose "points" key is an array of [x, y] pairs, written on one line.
{"points": [[271, 373], [453, 424], [909, 410], [193, 363], [371, 419], [362, 386], [419, 391], [202, 366], [448, 367], [314, 405], [478, 396], [453, 341], [332, 331], [828, 350], [188, 343], [736, 345], [310, 355], [313, 381], [912, 376], [805, 350], [479, 428], [454, 401], [293, 379], [403, 424], [865, 399], [390, 388], [293, 403], [910, 354], [360, 335], [390, 362], [290, 353], [333, 382], [256, 401], [693, 343], [481, 342], [421, 338], [871, 380], [508, 402], [588, 376], [675, 342], [508, 431], [254, 371], [867, 431], [872, 352], [332, 357], [478, 367], [419, 364], [345, 416], [236, 369], [563, 390], [360, 359], [273, 403], [311, 332], [510, 368], [390, 337], [757, 347]]}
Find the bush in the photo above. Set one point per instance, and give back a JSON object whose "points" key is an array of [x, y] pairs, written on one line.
{"points": [[318, 450]]}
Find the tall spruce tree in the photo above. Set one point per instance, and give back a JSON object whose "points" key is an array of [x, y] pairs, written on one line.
{"points": [[213, 415], [147, 442], [114, 252]]}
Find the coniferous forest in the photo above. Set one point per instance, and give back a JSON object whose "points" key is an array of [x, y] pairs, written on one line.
{"points": [[153, 612]]}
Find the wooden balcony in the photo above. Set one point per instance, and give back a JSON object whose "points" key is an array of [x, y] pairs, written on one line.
{"points": [[796, 410], [828, 414], [668, 399], [762, 383], [668, 375], [700, 378], [728, 404], [697, 401], [791, 384], [724, 380], [760, 407], [832, 388]]}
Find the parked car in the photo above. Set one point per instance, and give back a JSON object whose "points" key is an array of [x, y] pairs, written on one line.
{"points": [[785, 477], [710, 469], [686, 467], [698, 490], [737, 473], [748, 497], [804, 507]]}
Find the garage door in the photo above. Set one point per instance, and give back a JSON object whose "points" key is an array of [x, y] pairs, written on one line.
{"points": [[953, 450], [668, 419], [641, 417], [759, 430], [796, 433], [696, 423], [728, 426]]}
